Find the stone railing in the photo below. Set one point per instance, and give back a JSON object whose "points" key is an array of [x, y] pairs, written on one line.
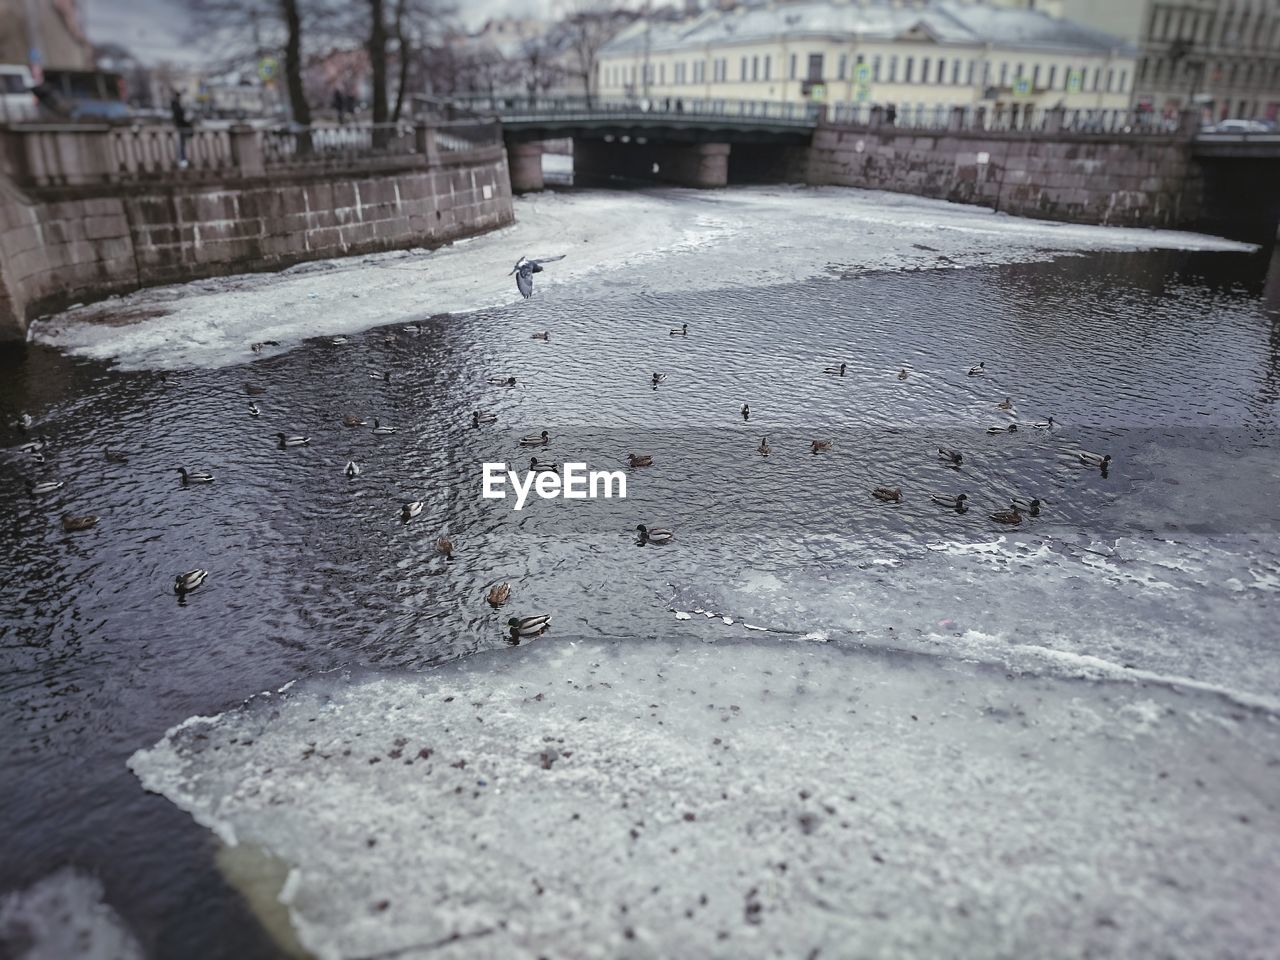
{"points": [[1027, 120], [76, 155]]}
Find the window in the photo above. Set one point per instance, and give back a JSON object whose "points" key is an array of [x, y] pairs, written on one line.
{"points": [[791, 72], [1035, 77], [1097, 77], [893, 69], [662, 73], [1111, 79], [875, 69], [955, 73], [942, 69], [767, 59], [1017, 73], [1124, 77], [742, 75], [924, 69], [1053, 76], [1004, 74], [843, 65], [815, 66], [907, 69], [755, 68], [973, 65]]}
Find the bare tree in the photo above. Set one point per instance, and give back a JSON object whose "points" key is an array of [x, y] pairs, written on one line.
{"points": [[588, 28]]}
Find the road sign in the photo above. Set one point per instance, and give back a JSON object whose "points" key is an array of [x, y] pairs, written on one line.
{"points": [[818, 92], [268, 67], [1074, 81], [862, 93], [862, 73], [1022, 87]]}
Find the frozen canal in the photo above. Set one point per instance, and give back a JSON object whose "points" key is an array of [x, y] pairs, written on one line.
{"points": [[814, 725]]}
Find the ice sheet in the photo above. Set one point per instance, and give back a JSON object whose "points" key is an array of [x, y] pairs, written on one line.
{"points": [[61, 917]]}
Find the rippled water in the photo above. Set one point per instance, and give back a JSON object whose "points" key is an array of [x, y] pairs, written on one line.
{"points": [[1168, 564]]}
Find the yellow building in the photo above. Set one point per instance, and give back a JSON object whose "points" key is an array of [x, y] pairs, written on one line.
{"points": [[911, 54]]}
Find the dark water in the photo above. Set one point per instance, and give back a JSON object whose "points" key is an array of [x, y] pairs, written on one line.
{"points": [[1169, 362]]}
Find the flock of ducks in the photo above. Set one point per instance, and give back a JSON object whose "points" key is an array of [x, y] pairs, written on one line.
{"points": [[519, 628]]}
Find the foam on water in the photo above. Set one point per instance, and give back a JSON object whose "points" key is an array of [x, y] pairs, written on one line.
{"points": [[655, 799], [612, 242]]}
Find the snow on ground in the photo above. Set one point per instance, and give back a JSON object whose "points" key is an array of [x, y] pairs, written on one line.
{"points": [[613, 241], [60, 917], [649, 799]]}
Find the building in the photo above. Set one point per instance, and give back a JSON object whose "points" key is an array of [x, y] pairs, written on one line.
{"points": [[911, 54]]}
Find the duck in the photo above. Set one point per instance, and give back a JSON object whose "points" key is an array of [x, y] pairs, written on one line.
{"points": [[74, 524], [115, 456], [352, 469], [746, 412], [196, 476], [1006, 403], [764, 449], [956, 503], [37, 458], [444, 547], [682, 332], [536, 440], [480, 417], [412, 328], [44, 486], [257, 347], [819, 446], [351, 420], [521, 627], [1031, 506], [34, 446], [657, 536], [498, 595], [639, 460], [186, 582], [25, 422], [338, 341], [1044, 424], [385, 376], [411, 509], [1011, 428], [544, 335], [953, 457], [292, 440], [380, 431], [835, 371], [888, 494], [659, 378], [979, 370], [1011, 516], [253, 390], [1094, 459], [502, 381], [254, 411], [902, 374], [536, 467]]}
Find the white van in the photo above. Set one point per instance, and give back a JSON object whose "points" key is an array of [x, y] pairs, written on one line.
{"points": [[17, 102]]}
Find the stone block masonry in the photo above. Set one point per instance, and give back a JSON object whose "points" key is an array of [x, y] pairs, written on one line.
{"points": [[61, 245]]}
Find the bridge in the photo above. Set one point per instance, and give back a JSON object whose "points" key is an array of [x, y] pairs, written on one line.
{"points": [[1090, 166]]}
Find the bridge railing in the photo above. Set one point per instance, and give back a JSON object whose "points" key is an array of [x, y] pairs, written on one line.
{"points": [[296, 145], [516, 108], [1025, 119]]}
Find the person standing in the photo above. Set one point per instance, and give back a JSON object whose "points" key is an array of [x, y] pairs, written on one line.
{"points": [[340, 105], [182, 124]]}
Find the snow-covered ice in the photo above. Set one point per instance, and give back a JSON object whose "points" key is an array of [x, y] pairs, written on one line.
{"points": [[64, 916]]}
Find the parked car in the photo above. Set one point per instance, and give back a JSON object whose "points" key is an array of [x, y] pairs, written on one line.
{"points": [[17, 102], [1238, 126]]}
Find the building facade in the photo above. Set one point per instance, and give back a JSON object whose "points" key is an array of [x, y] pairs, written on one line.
{"points": [[913, 55]]}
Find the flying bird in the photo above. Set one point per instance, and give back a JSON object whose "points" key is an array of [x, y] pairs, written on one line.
{"points": [[524, 271]]}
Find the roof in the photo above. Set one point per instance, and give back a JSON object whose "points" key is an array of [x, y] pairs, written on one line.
{"points": [[942, 21]]}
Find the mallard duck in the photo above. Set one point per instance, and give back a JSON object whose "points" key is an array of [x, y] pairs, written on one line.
{"points": [[888, 494], [657, 536], [659, 378], [1094, 459], [1031, 506], [254, 411], [338, 341], [682, 332], [292, 440], [482, 417], [502, 381], [385, 376], [44, 486], [1006, 403], [746, 412], [979, 370], [380, 431], [544, 335], [639, 460], [955, 503], [536, 440], [835, 371], [351, 420], [1011, 428], [352, 469], [1012, 515], [411, 509], [253, 390], [34, 446], [526, 268], [186, 582], [74, 524], [1044, 424], [764, 449], [819, 446], [196, 476], [953, 457], [537, 467], [499, 594], [902, 374], [522, 627], [444, 547]]}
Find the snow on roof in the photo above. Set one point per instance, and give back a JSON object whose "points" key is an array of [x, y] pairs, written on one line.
{"points": [[943, 21]]}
